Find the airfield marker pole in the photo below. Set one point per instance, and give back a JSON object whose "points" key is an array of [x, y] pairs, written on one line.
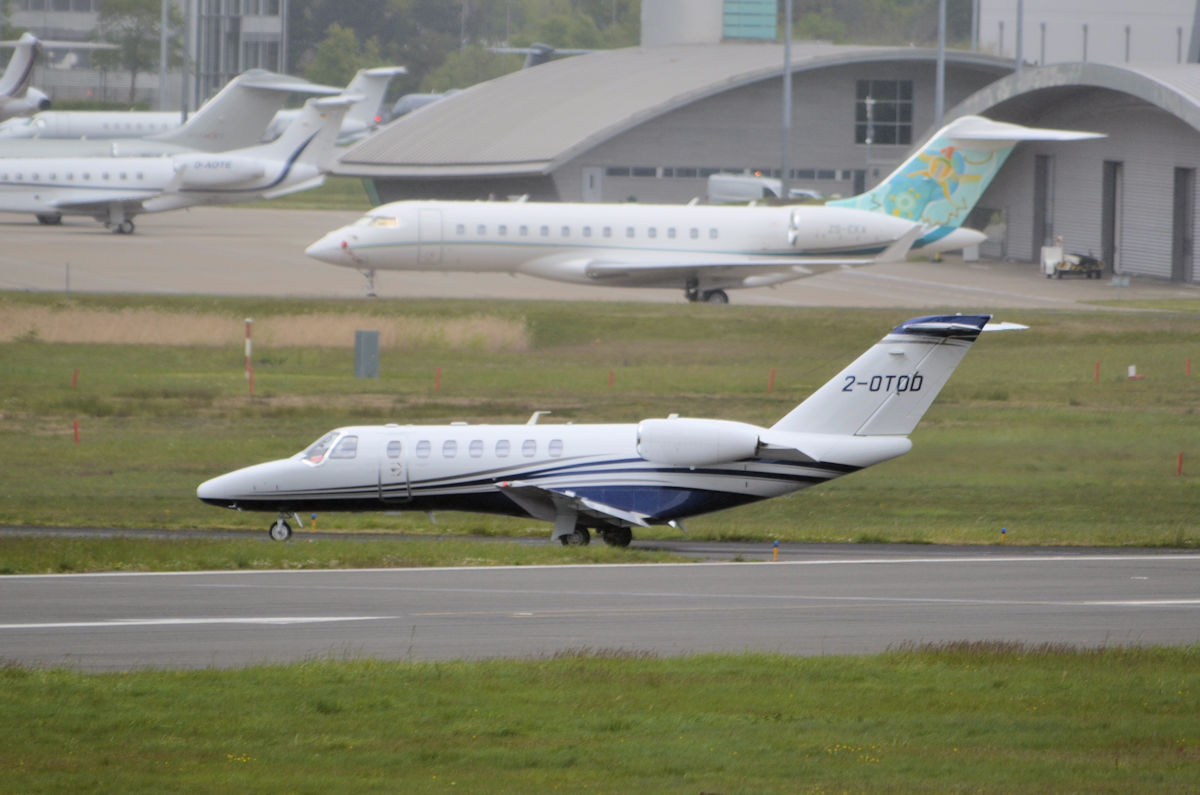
{"points": [[1003, 532], [76, 431], [775, 551], [1188, 369], [249, 367], [1179, 464], [437, 379], [771, 381], [610, 379], [75, 378], [1097, 372]]}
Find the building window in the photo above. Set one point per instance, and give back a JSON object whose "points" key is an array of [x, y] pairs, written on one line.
{"points": [[883, 112]]}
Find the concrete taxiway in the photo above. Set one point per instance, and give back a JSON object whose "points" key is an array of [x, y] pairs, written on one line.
{"points": [[260, 251], [816, 606]]}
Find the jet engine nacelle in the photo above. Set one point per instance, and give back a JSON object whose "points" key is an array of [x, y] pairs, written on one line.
{"points": [[683, 441], [214, 171]]}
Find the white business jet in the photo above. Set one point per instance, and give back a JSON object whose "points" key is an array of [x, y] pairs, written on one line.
{"points": [[235, 118], [612, 478], [115, 189], [704, 250], [17, 98], [242, 100]]}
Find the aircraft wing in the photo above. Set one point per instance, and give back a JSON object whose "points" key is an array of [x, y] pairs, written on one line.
{"points": [[544, 503], [732, 271], [86, 202]]}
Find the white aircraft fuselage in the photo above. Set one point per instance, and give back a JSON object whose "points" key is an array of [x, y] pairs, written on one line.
{"points": [[695, 246], [614, 477]]}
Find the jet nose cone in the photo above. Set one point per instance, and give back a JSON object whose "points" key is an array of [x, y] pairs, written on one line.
{"points": [[335, 248], [216, 491]]}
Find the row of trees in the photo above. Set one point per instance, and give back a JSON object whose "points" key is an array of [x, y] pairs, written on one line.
{"points": [[447, 43]]}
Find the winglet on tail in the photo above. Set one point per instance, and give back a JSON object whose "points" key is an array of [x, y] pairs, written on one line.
{"points": [[887, 390]]}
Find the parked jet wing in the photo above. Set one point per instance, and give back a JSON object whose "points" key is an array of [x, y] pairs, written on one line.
{"points": [[749, 269], [545, 504]]}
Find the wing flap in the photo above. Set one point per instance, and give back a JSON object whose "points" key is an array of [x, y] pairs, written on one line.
{"points": [[545, 504]]}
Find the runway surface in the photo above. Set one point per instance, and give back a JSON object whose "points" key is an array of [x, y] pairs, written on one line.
{"points": [[260, 251], [820, 605]]}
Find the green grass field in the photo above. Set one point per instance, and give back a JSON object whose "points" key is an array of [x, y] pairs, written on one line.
{"points": [[1022, 438], [984, 718]]}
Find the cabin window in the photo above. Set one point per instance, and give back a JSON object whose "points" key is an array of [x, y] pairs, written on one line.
{"points": [[629, 231], [671, 232], [694, 233], [449, 448], [423, 448], [587, 231], [34, 176], [86, 175], [502, 448], [346, 448], [476, 448], [545, 230], [566, 231], [608, 231], [529, 448], [393, 448], [481, 229], [139, 175], [502, 230], [556, 446], [712, 233], [104, 176], [652, 232], [52, 177], [124, 176], [461, 229], [524, 230], [316, 451]]}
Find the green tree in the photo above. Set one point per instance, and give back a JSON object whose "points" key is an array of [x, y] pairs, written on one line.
{"points": [[339, 56], [133, 26]]}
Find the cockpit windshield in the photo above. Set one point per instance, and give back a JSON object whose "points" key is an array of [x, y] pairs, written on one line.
{"points": [[316, 451], [378, 220]]}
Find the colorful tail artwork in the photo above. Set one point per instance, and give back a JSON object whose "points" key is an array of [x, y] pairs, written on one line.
{"points": [[940, 184]]}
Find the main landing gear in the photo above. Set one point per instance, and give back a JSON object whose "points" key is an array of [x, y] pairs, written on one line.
{"points": [[695, 295], [120, 227], [613, 536]]}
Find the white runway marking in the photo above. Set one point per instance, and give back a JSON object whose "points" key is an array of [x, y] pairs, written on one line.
{"points": [[175, 622]]}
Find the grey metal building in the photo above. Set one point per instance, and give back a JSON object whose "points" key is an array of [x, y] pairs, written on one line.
{"points": [[651, 123], [1129, 198]]}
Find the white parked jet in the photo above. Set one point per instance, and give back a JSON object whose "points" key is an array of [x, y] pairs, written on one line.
{"points": [[235, 118], [243, 99], [17, 98], [703, 250], [614, 477], [115, 189]]}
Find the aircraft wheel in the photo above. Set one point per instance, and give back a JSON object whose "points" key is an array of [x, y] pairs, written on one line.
{"points": [[125, 227], [49, 219], [716, 297], [618, 536], [580, 538], [280, 530]]}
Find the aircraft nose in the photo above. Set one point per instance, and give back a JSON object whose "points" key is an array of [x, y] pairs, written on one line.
{"points": [[216, 491], [335, 248]]}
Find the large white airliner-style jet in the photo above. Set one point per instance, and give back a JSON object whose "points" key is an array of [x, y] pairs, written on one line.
{"points": [[703, 250], [103, 125], [17, 98], [115, 189], [612, 478]]}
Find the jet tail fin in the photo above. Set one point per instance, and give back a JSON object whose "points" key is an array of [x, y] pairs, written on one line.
{"points": [[940, 183], [239, 113], [18, 74], [887, 390]]}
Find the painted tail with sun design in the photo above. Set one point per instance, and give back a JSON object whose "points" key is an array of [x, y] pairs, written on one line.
{"points": [[941, 182]]}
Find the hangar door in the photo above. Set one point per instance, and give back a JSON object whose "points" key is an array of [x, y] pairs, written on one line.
{"points": [[429, 240], [1183, 225]]}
